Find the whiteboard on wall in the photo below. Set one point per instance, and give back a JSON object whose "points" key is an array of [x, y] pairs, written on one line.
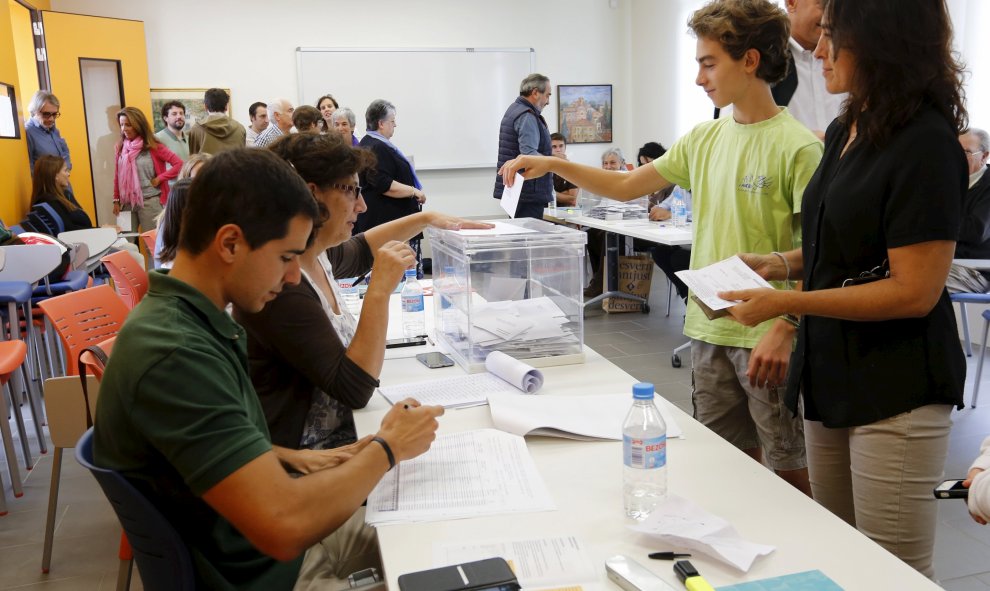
{"points": [[449, 102]]}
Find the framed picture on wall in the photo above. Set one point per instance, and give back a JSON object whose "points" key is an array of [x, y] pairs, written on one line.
{"points": [[9, 125], [192, 98], [584, 113]]}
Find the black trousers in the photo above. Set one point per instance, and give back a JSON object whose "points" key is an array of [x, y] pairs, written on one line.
{"points": [[671, 259]]}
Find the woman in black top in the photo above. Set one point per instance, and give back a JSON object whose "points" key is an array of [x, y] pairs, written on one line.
{"points": [[878, 362], [50, 185]]}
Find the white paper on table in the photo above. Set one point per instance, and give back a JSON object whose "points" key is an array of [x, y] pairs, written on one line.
{"points": [[594, 417], [679, 522], [501, 228], [454, 392], [124, 221], [536, 562], [466, 474], [521, 375], [727, 275], [510, 195]]}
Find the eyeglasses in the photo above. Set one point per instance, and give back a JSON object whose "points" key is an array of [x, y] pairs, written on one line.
{"points": [[975, 153], [49, 114], [351, 190]]}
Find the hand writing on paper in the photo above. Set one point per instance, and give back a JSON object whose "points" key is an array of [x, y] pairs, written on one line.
{"points": [[410, 428]]}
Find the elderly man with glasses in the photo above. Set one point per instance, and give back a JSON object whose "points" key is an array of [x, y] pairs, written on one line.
{"points": [[974, 232], [43, 137]]}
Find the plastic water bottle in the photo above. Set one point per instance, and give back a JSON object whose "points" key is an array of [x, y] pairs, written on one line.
{"points": [[413, 312], [644, 455], [678, 208]]}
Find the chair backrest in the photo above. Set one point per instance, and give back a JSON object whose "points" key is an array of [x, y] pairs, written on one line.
{"points": [[29, 262], [161, 555], [149, 238], [95, 365], [51, 218], [86, 317], [130, 279]]}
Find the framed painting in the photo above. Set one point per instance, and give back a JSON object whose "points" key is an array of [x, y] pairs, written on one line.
{"points": [[192, 98], [584, 113]]}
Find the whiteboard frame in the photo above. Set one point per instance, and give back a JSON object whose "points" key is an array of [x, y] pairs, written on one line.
{"points": [[300, 85]]}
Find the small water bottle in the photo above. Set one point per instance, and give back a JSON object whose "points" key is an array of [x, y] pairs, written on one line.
{"points": [[678, 208], [413, 313], [644, 455]]}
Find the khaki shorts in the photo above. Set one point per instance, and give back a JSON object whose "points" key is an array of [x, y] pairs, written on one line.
{"points": [[352, 547], [745, 416]]}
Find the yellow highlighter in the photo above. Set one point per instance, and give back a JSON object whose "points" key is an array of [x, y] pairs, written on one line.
{"points": [[690, 577]]}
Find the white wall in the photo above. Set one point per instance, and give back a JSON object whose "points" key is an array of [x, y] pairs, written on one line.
{"points": [[249, 47], [641, 47]]}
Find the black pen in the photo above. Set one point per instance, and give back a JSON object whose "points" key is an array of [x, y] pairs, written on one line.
{"points": [[668, 555]]}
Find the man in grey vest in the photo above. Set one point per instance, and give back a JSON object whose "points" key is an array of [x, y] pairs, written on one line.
{"points": [[524, 131]]}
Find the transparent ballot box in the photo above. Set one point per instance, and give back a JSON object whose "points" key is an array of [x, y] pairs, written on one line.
{"points": [[516, 289]]}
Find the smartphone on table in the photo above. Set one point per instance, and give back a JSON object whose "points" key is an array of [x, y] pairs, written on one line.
{"points": [[434, 360], [405, 342]]}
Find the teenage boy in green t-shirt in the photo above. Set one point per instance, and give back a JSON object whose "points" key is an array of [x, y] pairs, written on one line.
{"points": [[179, 418], [747, 174]]}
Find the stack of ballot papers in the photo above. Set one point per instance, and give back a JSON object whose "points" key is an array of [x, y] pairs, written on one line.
{"points": [[506, 376], [595, 417], [536, 327], [467, 474]]}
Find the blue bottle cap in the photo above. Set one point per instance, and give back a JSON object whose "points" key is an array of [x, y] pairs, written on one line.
{"points": [[643, 391], [410, 273]]}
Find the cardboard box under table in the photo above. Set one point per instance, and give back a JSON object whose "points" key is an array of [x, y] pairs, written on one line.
{"points": [[515, 289]]}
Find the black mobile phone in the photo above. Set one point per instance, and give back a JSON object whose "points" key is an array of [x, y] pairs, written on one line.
{"points": [[434, 360], [405, 342], [951, 489]]}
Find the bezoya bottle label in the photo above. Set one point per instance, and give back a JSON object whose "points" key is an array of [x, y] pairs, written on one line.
{"points": [[412, 303], [644, 453]]}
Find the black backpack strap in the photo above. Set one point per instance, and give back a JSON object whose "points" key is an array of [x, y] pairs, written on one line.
{"points": [[100, 355]]}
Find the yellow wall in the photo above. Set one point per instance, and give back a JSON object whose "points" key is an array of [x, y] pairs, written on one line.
{"points": [[69, 37], [27, 69], [15, 181]]}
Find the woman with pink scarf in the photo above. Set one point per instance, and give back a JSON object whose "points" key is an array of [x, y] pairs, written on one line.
{"points": [[140, 181]]}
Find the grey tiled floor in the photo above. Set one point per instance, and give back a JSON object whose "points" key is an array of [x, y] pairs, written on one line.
{"points": [[87, 534]]}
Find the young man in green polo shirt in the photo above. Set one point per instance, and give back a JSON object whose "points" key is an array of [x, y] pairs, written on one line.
{"points": [[177, 414], [747, 175]]}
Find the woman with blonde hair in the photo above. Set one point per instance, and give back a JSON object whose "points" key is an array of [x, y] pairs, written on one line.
{"points": [[140, 180]]}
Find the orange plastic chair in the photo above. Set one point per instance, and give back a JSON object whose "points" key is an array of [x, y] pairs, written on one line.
{"points": [[149, 238], [12, 357], [83, 318], [129, 278]]}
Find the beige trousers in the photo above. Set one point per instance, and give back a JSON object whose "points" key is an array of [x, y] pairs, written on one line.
{"points": [[353, 547], [879, 478]]}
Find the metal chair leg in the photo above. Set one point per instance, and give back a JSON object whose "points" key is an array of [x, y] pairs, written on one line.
{"points": [[8, 445], [15, 409], [670, 286], [979, 364], [967, 345], [46, 554]]}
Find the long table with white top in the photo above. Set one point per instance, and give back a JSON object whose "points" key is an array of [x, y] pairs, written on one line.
{"points": [[585, 481], [616, 232]]}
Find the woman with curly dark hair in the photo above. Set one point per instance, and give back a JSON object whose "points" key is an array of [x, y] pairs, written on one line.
{"points": [[311, 360], [878, 362]]}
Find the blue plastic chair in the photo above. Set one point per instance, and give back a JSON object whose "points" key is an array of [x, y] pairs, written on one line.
{"points": [[44, 215], [962, 299], [161, 555]]}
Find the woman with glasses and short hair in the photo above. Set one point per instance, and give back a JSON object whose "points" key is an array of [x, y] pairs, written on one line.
{"points": [[43, 138], [311, 360]]}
